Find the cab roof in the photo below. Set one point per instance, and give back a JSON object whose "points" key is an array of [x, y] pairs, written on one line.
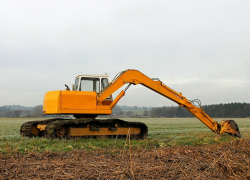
{"points": [[93, 75]]}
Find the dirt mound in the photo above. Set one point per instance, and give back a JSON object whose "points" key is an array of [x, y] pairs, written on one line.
{"points": [[224, 161]]}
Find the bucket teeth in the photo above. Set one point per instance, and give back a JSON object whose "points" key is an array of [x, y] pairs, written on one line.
{"points": [[237, 135]]}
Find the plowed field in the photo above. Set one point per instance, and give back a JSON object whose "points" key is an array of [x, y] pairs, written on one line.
{"points": [[229, 160]]}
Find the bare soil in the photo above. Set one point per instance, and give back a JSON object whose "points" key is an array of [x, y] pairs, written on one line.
{"points": [[229, 160]]}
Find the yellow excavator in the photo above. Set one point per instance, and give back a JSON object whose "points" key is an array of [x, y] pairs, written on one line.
{"points": [[91, 95]]}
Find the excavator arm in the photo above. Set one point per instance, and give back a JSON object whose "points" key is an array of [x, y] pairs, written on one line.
{"points": [[136, 77]]}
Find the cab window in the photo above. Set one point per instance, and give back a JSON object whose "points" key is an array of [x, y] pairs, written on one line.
{"points": [[90, 84], [105, 83], [76, 84]]}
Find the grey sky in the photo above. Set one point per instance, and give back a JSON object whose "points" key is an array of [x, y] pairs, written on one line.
{"points": [[199, 48]]}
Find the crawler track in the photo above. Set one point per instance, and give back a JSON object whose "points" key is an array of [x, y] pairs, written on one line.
{"points": [[67, 128], [26, 128]]}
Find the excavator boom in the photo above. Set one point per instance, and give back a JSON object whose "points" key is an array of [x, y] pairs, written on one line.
{"points": [[136, 77]]}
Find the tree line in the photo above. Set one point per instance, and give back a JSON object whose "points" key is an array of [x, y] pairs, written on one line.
{"points": [[230, 110], [16, 111]]}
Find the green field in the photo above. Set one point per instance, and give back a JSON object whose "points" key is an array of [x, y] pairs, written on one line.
{"points": [[163, 132]]}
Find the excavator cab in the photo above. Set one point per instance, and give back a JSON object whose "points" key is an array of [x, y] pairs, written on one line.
{"points": [[81, 101], [94, 83]]}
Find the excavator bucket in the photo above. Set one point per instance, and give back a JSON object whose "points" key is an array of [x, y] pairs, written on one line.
{"points": [[230, 127]]}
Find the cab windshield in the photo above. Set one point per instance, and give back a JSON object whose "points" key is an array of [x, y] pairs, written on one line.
{"points": [[90, 84]]}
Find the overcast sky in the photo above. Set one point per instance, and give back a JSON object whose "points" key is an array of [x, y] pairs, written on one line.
{"points": [[199, 48]]}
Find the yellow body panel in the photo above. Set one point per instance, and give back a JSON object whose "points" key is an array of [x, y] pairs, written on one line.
{"points": [[73, 102], [51, 102]]}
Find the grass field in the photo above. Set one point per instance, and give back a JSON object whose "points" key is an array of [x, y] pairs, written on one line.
{"points": [[163, 132]]}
